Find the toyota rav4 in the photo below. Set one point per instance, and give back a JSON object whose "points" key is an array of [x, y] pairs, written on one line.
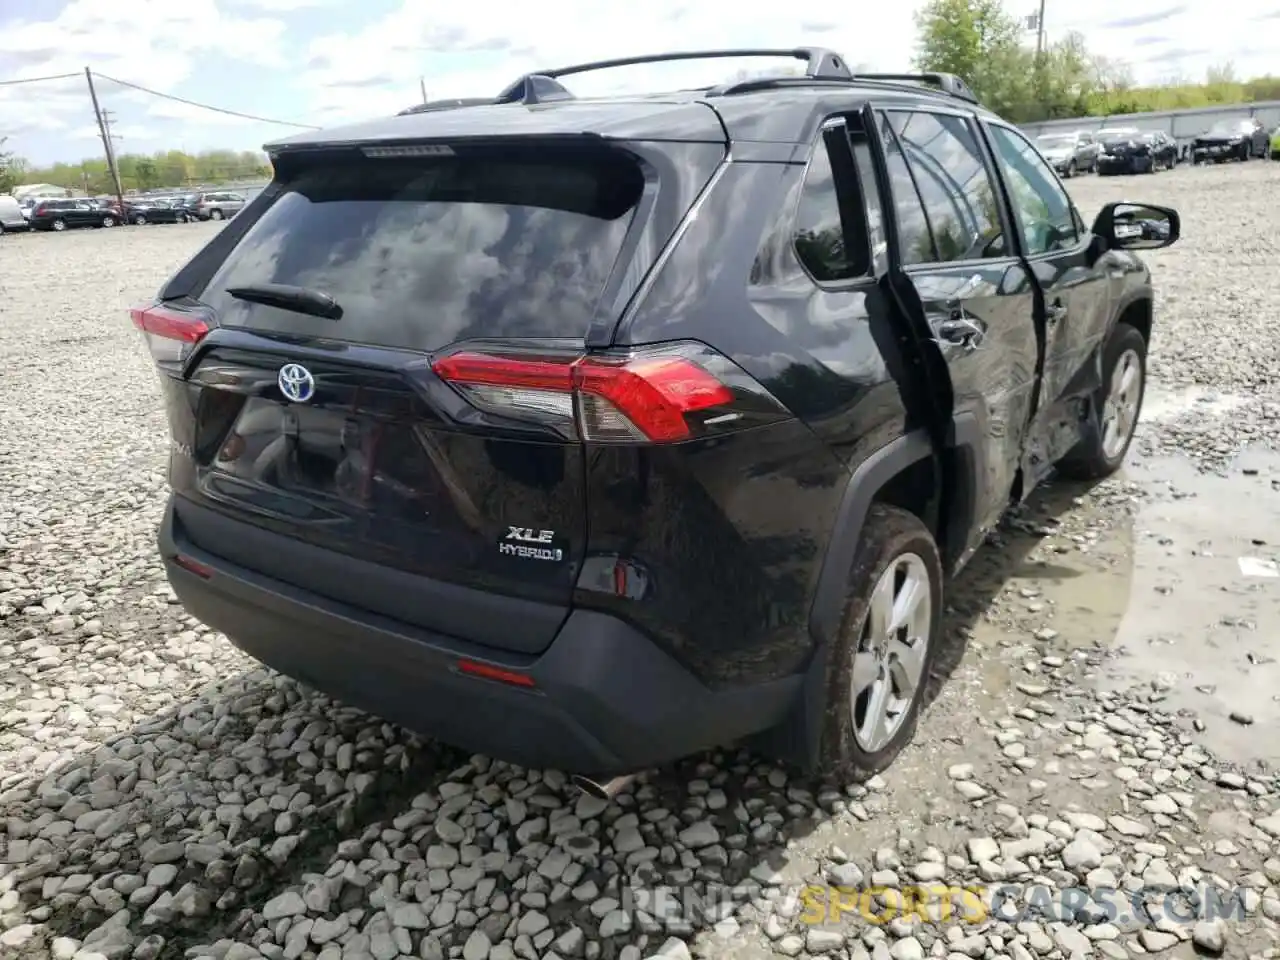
{"points": [[592, 433]]}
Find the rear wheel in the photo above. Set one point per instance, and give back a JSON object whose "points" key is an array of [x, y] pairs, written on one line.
{"points": [[880, 663], [215, 214], [59, 224], [1119, 405]]}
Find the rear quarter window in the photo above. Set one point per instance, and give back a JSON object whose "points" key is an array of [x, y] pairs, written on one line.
{"points": [[423, 252]]}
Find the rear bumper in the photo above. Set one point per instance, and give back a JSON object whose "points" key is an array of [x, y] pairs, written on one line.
{"points": [[605, 699], [1128, 164], [1210, 151]]}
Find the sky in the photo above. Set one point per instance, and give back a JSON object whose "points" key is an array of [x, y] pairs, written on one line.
{"points": [[327, 62]]}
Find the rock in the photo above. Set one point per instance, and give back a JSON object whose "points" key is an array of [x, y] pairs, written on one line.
{"points": [[819, 941], [1081, 856], [17, 936], [287, 904], [699, 835], [477, 946], [1153, 941], [1210, 936]]}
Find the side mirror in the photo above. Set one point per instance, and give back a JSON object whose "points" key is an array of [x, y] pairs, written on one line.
{"points": [[1137, 226]]}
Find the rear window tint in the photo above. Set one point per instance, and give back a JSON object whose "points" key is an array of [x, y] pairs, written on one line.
{"points": [[421, 253]]}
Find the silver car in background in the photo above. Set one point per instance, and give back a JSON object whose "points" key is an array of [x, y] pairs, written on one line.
{"points": [[1069, 153], [219, 205]]}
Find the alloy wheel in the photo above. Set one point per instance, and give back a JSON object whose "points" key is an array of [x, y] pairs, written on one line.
{"points": [[888, 668], [1120, 409]]}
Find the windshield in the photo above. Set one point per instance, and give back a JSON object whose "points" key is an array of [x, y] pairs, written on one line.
{"points": [[1229, 128]]}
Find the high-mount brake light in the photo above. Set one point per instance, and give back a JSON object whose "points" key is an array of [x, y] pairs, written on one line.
{"points": [[402, 151], [169, 333], [641, 398]]}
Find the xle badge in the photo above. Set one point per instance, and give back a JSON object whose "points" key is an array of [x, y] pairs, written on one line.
{"points": [[529, 544]]}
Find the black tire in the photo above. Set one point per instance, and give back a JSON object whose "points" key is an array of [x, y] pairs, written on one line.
{"points": [[1071, 170], [1090, 459], [139, 220], [58, 224], [108, 221], [890, 536], [215, 214]]}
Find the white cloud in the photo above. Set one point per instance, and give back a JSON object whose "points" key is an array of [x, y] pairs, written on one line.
{"points": [[375, 70], [283, 6], [154, 43], [340, 74], [187, 114], [351, 72], [127, 136]]}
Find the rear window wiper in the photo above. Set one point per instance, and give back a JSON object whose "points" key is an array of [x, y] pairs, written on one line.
{"points": [[288, 297]]}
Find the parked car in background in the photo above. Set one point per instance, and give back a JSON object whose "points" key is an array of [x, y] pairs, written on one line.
{"points": [[1124, 150], [12, 219], [217, 206], [1069, 153], [1240, 139], [70, 214], [1164, 149], [159, 210]]}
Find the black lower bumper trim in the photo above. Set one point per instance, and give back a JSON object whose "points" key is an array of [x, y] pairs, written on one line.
{"points": [[605, 699]]}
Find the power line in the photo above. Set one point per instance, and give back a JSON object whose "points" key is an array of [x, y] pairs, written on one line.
{"points": [[60, 76], [205, 106]]}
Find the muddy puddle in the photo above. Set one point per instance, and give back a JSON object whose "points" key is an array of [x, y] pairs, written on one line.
{"points": [[1185, 594], [1203, 614]]}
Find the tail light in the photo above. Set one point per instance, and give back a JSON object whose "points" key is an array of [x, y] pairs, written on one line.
{"points": [[664, 395], [170, 333]]}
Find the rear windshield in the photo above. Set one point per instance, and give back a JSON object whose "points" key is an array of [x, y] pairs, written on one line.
{"points": [[420, 253], [1231, 128]]}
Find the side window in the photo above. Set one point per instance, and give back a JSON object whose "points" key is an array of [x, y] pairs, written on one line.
{"points": [[819, 229], [959, 197], [1045, 215], [908, 210]]}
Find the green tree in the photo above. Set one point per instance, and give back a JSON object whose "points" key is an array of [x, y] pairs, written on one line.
{"points": [[978, 41], [165, 168], [11, 168]]}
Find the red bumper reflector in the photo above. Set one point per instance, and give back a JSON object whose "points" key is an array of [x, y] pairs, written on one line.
{"points": [[192, 566], [487, 672]]}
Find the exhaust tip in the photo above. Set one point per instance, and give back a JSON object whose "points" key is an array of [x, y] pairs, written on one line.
{"points": [[602, 791]]}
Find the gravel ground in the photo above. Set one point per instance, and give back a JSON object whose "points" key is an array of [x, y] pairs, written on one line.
{"points": [[162, 796]]}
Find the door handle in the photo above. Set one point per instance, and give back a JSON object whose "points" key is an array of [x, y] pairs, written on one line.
{"points": [[962, 330], [1056, 311]]}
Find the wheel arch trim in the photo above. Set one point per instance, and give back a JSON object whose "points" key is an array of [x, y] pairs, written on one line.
{"points": [[800, 738]]}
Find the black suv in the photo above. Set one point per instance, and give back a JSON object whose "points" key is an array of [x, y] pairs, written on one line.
{"points": [[593, 433]]}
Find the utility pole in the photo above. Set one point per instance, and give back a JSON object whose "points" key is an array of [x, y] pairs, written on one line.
{"points": [[1040, 33], [106, 140], [422, 85]]}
